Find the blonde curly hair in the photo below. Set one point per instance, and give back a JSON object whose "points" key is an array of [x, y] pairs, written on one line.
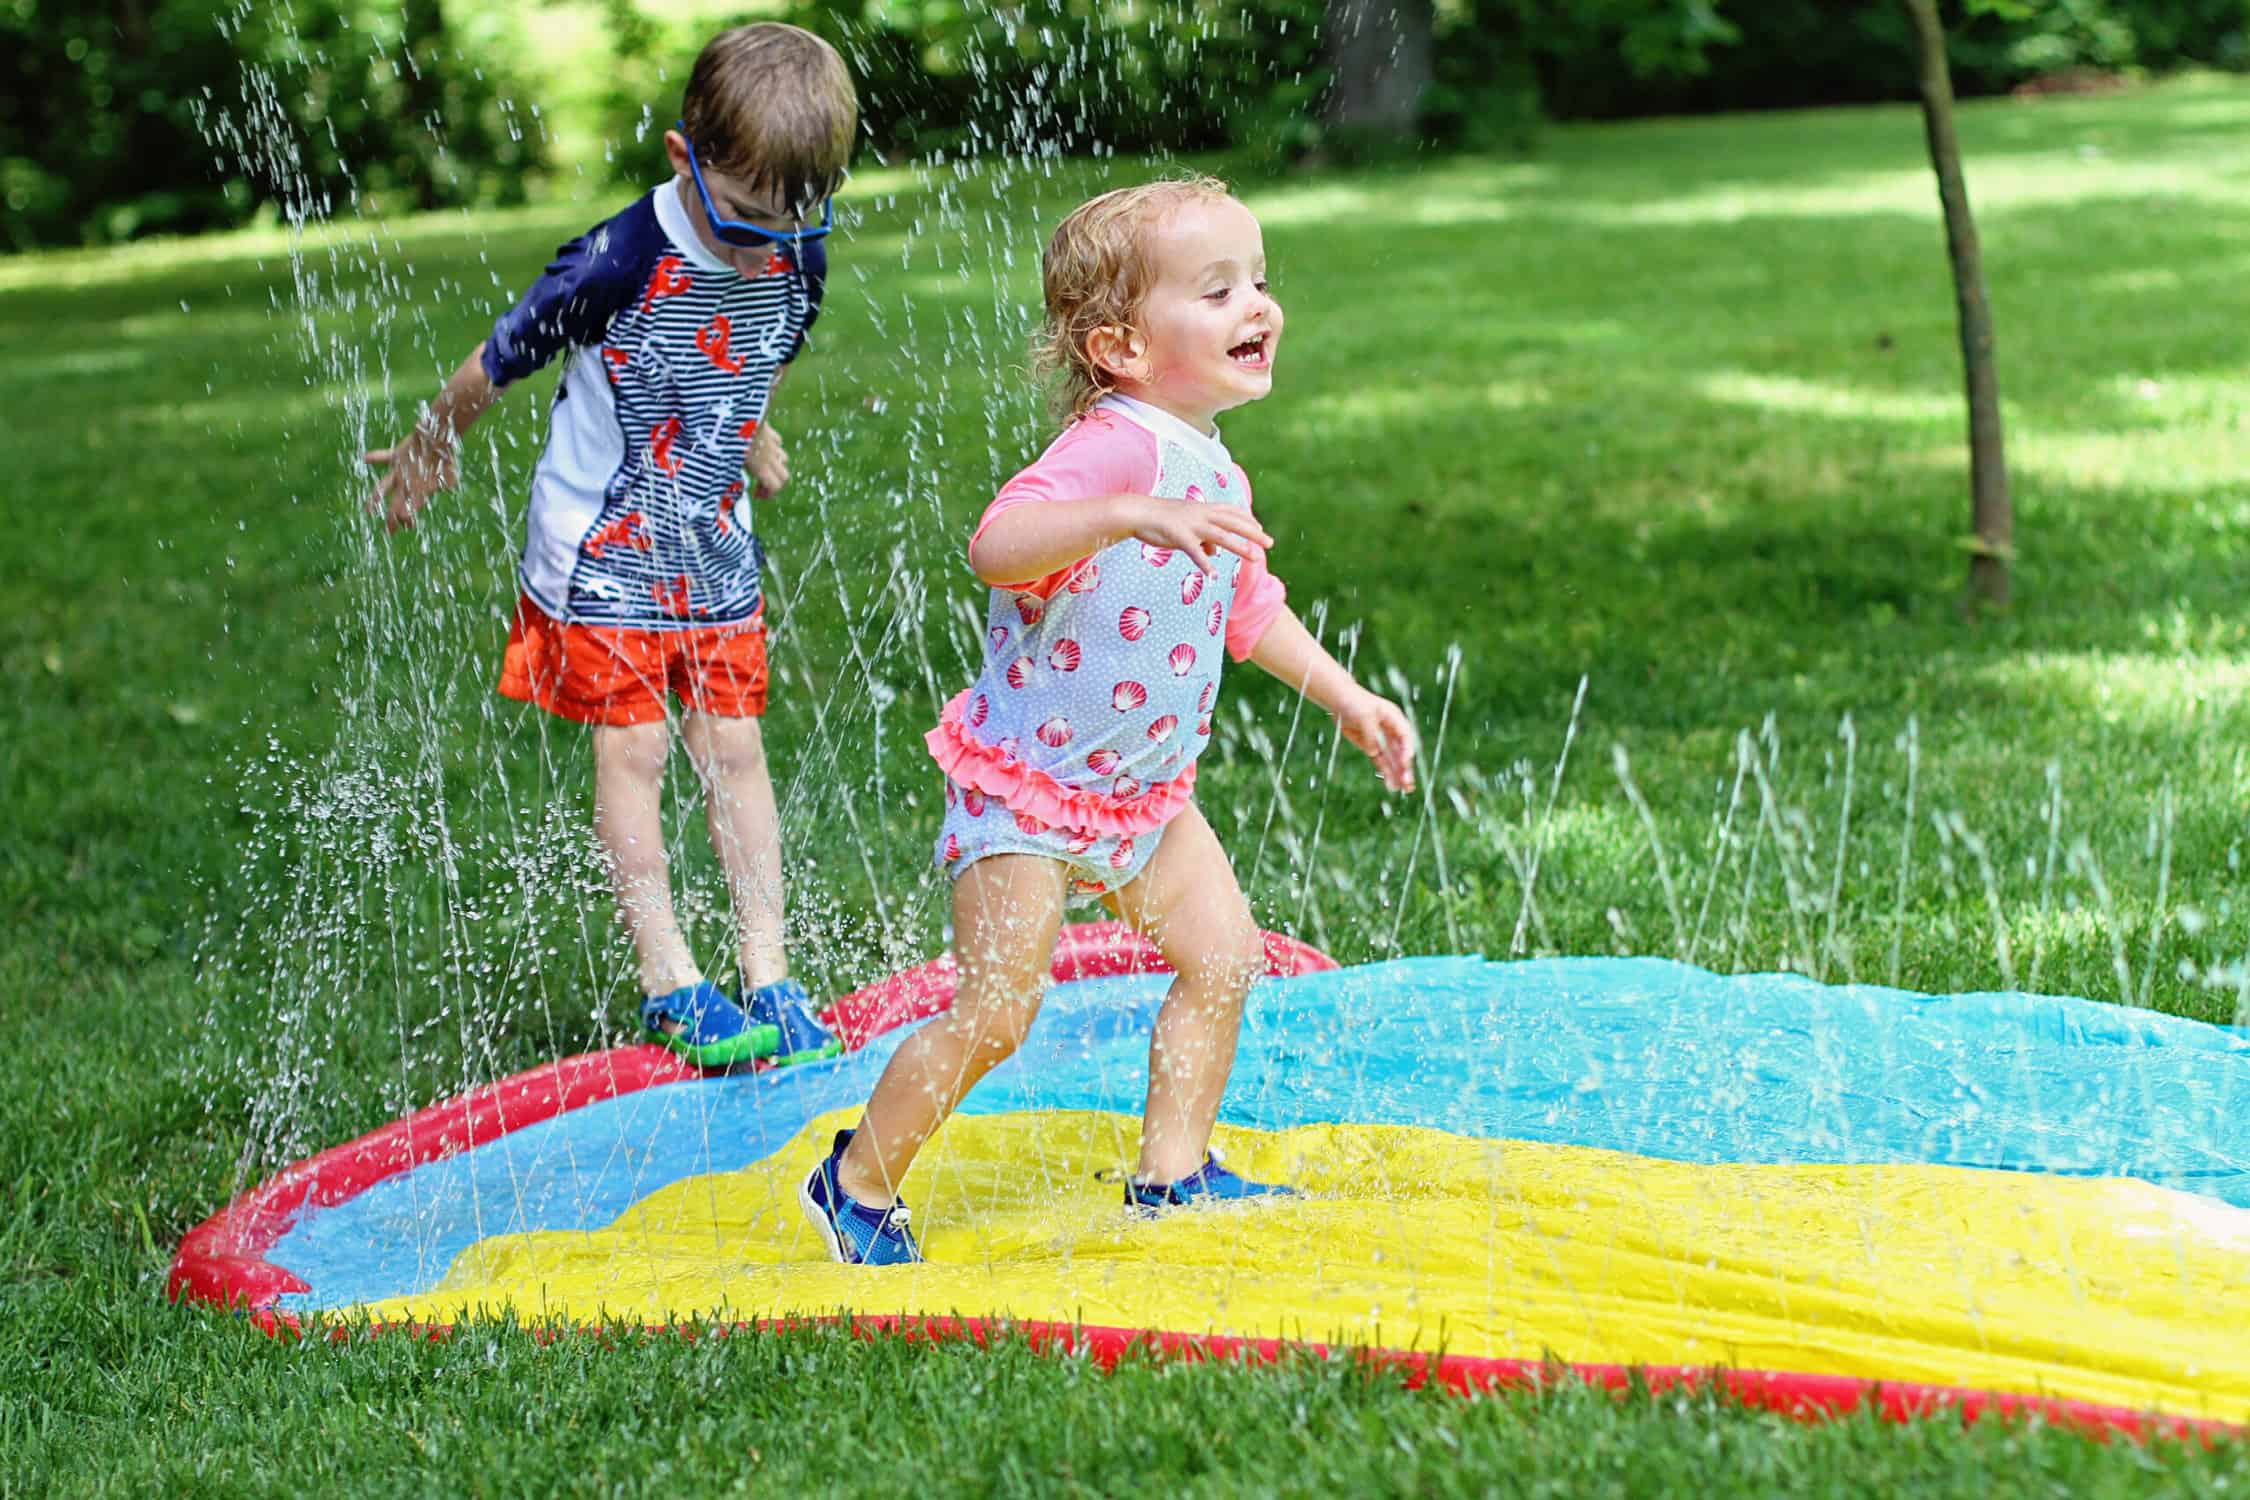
{"points": [[1096, 271]]}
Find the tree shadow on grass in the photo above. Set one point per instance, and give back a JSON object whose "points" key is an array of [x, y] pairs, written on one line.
{"points": [[1785, 153], [1777, 360]]}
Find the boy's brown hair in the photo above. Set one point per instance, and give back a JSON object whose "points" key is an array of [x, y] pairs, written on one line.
{"points": [[774, 106], [1096, 271]]}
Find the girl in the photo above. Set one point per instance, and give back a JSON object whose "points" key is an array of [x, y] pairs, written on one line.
{"points": [[1121, 562]]}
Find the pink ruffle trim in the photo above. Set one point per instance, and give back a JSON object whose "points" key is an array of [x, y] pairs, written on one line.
{"points": [[1029, 790]]}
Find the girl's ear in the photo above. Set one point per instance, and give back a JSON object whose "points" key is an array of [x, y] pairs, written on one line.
{"points": [[1117, 351]]}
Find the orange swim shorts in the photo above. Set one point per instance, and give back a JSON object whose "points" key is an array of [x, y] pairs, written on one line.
{"points": [[612, 674]]}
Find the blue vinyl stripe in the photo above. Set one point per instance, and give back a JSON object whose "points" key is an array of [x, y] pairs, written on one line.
{"points": [[1638, 1055]]}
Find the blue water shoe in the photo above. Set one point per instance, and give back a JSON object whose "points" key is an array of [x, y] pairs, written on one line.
{"points": [[784, 1006], [854, 1233], [1209, 1183], [713, 1031]]}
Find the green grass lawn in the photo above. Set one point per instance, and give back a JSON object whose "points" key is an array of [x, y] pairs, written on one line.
{"points": [[1669, 410]]}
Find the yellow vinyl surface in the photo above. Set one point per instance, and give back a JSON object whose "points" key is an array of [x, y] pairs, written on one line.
{"points": [[2099, 1289]]}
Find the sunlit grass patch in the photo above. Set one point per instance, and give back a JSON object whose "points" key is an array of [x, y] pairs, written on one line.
{"points": [[1473, 195], [1379, 406], [2177, 462], [1826, 399], [2132, 687]]}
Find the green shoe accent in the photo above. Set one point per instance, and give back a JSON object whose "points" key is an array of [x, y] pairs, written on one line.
{"points": [[817, 1054], [751, 1044]]}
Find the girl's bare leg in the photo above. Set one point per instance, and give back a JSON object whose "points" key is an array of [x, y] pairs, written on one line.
{"points": [[1187, 902], [629, 822], [729, 756], [1006, 911]]}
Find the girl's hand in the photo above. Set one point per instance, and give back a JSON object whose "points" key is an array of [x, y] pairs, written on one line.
{"points": [[767, 462], [417, 468], [1377, 726], [1197, 529]]}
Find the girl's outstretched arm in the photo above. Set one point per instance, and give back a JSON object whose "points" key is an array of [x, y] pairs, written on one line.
{"points": [[1370, 721], [1030, 541]]}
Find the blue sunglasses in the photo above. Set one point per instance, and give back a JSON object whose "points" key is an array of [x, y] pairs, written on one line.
{"points": [[753, 236]]}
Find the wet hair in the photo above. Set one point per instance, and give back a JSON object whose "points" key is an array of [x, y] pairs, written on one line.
{"points": [[773, 105], [1096, 272]]}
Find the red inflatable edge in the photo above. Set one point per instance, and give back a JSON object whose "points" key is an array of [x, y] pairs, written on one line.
{"points": [[222, 1260], [1800, 1397]]}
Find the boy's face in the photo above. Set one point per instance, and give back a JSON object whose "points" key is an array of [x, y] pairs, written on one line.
{"points": [[734, 200], [1208, 328]]}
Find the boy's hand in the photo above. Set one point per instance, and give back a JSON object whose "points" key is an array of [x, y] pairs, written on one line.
{"points": [[417, 468], [1194, 528], [1377, 726], [767, 462]]}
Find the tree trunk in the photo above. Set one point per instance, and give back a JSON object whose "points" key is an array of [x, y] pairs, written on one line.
{"points": [[1380, 50], [1992, 518]]}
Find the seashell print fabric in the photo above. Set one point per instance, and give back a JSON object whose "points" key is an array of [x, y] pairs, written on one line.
{"points": [[976, 826], [1101, 678]]}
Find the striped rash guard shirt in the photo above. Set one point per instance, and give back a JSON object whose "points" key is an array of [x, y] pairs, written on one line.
{"points": [[639, 516]]}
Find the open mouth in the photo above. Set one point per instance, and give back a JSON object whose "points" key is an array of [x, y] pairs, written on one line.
{"points": [[1252, 353]]}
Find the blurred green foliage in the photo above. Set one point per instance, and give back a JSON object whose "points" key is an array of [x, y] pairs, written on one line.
{"points": [[139, 116], [1609, 58], [953, 75], [134, 117], [1063, 77]]}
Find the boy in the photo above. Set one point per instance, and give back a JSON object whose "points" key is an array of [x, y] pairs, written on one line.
{"points": [[640, 574]]}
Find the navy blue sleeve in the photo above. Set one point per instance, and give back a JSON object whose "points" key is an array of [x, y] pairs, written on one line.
{"points": [[589, 281], [813, 269]]}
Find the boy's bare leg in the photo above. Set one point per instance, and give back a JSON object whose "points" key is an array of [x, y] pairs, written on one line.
{"points": [[1187, 902], [1006, 911], [629, 821], [729, 756]]}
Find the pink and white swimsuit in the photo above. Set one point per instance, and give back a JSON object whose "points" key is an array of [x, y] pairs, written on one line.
{"points": [[1079, 740]]}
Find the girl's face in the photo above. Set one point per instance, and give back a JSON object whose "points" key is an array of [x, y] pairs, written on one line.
{"points": [[1207, 330]]}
